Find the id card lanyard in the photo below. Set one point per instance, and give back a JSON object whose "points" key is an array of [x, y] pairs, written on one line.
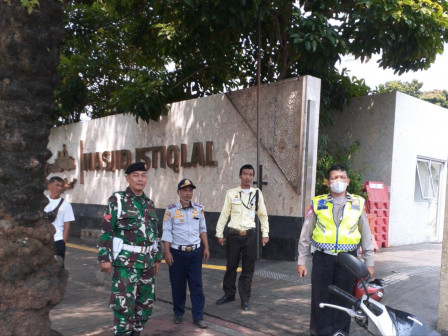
{"points": [[249, 201]]}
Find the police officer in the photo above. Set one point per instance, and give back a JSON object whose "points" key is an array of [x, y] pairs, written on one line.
{"points": [[129, 242], [183, 231], [334, 223], [242, 204]]}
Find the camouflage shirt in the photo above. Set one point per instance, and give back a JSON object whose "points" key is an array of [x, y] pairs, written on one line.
{"points": [[133, 219]]}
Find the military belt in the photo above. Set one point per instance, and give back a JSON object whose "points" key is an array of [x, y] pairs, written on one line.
{"points": [[137, 249]]}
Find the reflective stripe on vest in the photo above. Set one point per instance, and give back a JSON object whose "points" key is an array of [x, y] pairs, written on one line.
{"points": [[345, 237]]}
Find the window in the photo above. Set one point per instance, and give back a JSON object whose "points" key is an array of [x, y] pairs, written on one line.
{"points": [[427, 179]]}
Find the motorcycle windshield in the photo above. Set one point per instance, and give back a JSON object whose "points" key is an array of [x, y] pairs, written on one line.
{"points": [[407, 324]]}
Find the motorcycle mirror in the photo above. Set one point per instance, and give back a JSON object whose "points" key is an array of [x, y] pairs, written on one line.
{"points": [[353, 265]]}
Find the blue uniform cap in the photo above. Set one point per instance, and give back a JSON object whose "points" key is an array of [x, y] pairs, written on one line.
{"points": [[185, 183]]}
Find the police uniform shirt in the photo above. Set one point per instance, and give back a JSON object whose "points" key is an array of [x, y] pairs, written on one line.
{"points": [[65, 214], [240, 206], [183, 226], [309, 224]]}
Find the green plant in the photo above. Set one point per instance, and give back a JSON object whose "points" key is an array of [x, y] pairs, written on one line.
{"points": [[330, 152], [138, 56]]}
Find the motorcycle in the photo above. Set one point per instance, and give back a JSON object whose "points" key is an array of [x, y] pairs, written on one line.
{"points": [[371, 315]]}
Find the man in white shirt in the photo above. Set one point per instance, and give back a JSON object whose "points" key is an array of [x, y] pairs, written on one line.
{"points": [[63, 217]]}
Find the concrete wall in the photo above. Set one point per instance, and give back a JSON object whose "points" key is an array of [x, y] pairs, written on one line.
{"points": [[369, 119], [288, 131], [228, 121], [442, 317], [420, 130], [394, 129]]}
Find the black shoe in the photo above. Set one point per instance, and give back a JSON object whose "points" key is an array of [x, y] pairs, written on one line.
{"points": [[135, 333], [177, 319], [200, 324], [245, 305], [225, 299]]}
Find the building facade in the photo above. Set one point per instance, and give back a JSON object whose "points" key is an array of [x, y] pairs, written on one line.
{"points": [[404, 145], [206, 140]]}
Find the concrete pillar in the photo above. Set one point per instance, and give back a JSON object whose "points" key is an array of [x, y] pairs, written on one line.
{"points": [[442, 319]]}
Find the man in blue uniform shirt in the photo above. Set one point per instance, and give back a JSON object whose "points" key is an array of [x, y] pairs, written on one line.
{"points": [[183, 231]]}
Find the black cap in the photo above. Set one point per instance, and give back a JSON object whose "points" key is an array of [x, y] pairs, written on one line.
{"points": [[136, 166], [185, 183]]}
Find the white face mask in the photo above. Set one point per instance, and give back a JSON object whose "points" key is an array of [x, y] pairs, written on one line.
{"points": [[338, 187]]}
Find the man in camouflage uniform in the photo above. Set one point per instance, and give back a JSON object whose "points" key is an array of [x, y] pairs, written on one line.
{"points": [[129, 242]]}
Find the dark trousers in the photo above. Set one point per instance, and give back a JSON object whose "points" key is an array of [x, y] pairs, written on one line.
{"points": [[237, 247], [187, 267], [326, 270], [59, 249]]}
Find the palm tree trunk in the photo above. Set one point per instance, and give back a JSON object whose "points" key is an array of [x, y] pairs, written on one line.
{"points": [[31, 281]]}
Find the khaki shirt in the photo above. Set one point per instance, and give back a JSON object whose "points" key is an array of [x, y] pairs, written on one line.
{"points": [[305, 249], [241, 209]]}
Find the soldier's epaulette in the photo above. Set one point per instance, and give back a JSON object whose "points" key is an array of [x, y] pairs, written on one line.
{"points": [[114, 195], [197, 205], [171, 206]]}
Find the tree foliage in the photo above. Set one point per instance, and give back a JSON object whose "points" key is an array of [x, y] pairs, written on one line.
{"points": [[437, 97], [330, 153], [138, 56], [411, 88]]}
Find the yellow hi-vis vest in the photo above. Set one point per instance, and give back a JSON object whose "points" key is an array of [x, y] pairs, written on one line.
{"points": [[342, 238]]}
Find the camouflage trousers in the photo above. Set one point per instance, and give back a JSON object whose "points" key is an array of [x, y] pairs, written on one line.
{"points": [[132, 298]]}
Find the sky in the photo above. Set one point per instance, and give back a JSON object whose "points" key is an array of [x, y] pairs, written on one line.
{"points": [[435, 78]]}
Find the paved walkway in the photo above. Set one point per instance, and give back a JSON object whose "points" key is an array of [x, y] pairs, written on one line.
{"points": [[280, 300]]}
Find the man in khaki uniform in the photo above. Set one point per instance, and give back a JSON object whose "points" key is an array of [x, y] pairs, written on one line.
{"points": [[241, 204]]}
